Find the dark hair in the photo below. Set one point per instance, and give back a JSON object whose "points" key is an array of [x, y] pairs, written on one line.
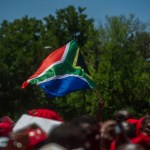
{"points": [[66, 136], [90, 130], [84, 119]]}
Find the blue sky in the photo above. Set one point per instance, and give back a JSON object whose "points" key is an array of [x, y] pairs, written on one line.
{"points": [[98, 9]]}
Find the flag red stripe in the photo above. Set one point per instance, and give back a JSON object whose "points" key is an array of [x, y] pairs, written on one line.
{"points": [[52, 58]]}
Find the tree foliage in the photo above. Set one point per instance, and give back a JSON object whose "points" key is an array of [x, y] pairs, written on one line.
{"points": [[116, 54], [123, 79]]}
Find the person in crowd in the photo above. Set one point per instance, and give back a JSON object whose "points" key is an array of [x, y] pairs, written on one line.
{"points": [[67, 137], [107, 133], [6, 125], [114, 134], [82, 133], [123, 115], [30, 138], [129, 129], [90, 129], [143, 134]]}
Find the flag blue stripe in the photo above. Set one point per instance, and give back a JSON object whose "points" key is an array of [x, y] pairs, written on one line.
{"points": [[61, 87]]}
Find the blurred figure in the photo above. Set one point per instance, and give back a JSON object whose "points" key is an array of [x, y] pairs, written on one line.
{"points": [[108, 134], [113, 135], [90, 129], [66, 136], [53, 146], [123, 115], [6, 125], [129, 129], [146, 125], [130, 147], [29, 138], [143, 137]]}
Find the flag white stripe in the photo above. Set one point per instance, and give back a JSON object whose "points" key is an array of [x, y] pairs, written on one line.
{"points": [[58, 62], [62, 77]]}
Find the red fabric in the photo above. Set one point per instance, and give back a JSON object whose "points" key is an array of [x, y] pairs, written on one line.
{"points": [[7, 119], [6, 125], [112, 145], [52, 58], [5, 128], [35, 136], [45, 113], [132, 121], [142, 139], [138, 126]]}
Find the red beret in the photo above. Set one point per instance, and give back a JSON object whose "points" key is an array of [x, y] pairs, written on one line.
{"points": [[45, 113]]}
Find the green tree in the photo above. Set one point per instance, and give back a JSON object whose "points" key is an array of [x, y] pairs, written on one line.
{"points": [[22, 51], [122, 71], [20, 54], [68, 24], [116, 55]]}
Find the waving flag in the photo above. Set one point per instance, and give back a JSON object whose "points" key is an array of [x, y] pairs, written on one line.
{"points": [[62, 72]]}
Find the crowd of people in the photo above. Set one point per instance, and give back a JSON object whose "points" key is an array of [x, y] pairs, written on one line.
{"points": [[125, 132]]}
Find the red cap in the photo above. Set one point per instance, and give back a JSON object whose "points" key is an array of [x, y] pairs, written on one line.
{"points": [[45, 113]]}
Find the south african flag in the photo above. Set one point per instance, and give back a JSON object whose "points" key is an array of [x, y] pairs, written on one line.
{"points": [[62, 72]]}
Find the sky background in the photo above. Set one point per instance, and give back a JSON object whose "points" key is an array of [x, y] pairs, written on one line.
{"points": [[97, 9]]}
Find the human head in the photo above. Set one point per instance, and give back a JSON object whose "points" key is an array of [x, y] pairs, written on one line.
{"points": [[108, 132], [90, 130], [123, 115], [66, 136]]}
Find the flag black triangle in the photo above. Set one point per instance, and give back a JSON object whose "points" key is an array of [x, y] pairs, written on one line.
{"points": [[81, 63]]}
